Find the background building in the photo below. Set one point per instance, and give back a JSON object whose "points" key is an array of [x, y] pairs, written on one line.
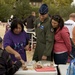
{"points": [[36, 2]]}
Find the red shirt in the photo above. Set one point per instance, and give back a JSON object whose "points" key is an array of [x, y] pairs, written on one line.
{"points": [[62, 41]]}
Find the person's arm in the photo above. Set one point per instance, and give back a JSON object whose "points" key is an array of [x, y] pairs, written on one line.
{"points": [[49, 40], [73, 35], [66, 37], [35, 23], [34, 18], [27, 41], [12, 51], [27, 47]]}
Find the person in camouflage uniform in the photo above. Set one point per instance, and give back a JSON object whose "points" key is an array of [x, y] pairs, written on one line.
{"points": [[45, 35], [6, 65]]}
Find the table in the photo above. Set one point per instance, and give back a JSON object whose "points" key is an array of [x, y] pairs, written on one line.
{"points": [[63, 69], [33, 72]]}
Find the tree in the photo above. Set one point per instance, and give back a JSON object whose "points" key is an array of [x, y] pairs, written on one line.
{"points": [[22, 8], [11, 2], [19, 8], [58, 2], [2, 2], [35, 0], [61, 7], [6, 9]]}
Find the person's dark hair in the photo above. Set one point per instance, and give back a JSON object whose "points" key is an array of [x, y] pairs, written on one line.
{"points": [[15, 23], [59, 19]]}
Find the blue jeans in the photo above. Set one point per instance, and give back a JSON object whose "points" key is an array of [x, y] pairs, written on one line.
{"points": [[61, 58]]}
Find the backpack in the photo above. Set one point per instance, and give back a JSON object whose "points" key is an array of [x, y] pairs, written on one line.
{"points": [[71, 68]]}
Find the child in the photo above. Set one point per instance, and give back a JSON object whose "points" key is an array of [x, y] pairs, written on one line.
{"points": [[6, 66]]}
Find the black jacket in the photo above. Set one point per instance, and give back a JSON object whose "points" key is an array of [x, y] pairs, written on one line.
{"points": [[29, 22], [6, 66]]}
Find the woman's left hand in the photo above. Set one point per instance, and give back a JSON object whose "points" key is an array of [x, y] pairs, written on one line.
{"points": [[27, 47]]}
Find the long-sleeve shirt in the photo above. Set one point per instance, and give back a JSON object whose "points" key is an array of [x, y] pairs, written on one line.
{"points": [[6, 66], [62, 41]]}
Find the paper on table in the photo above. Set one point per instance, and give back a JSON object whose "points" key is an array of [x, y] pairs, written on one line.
{"points": [[45, 69]]}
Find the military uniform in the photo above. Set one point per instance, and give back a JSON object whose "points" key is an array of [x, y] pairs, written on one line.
{"points": [[45, 39]]}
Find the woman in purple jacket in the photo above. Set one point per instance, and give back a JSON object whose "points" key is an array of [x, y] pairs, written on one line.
{"points": [[62, 44], [16, 41]]}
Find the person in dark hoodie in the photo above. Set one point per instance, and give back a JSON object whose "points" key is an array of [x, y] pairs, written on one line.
{"points": [[7, 67], [28, 22]]}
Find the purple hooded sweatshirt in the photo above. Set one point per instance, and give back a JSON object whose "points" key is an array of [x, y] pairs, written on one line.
{"points": [[17, 42]]}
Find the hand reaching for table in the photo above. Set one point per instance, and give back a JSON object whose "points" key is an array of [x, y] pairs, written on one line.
{"points": [[17, 55]]}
